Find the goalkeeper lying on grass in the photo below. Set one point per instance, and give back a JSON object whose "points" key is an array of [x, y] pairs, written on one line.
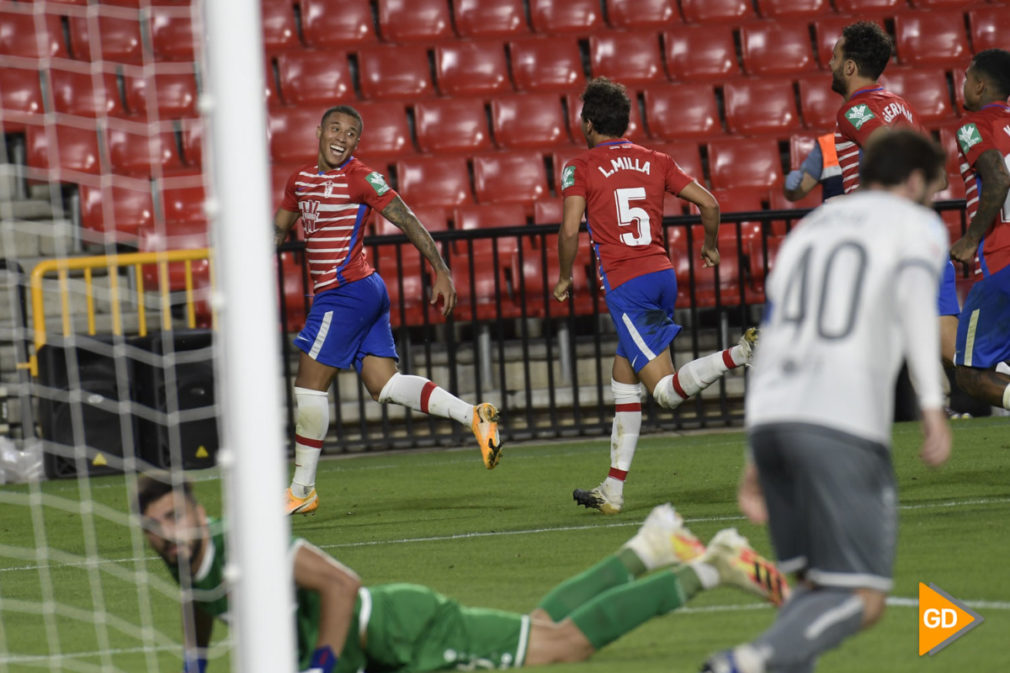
{"points": [[344, 626]]}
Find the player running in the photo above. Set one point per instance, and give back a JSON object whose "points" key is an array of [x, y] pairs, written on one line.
{"points": [[619, 187], [348, 324]]}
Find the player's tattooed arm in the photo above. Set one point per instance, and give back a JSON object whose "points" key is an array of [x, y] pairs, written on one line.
{"points": [[996, 183], [399, 214], [283, 221]]}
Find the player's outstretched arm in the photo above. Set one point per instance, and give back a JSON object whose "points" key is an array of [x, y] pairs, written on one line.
{"points": [[337, 586], [568, 244], [996, 180], [709, 209], [399, 214], [283, 221]]}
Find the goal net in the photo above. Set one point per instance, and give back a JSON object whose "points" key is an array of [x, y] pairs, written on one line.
{"points": [[134, 336]]}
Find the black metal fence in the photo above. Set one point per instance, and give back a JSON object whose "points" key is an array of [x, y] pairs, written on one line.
{"points": [[545, 364]]}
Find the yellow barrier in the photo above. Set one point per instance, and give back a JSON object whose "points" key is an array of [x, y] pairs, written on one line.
{"points": [[61, 267]]}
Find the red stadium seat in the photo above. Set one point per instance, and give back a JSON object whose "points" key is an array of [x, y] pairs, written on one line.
{"points": [[572, 16], [292, 133], [297, 288], [171, 95], [687, 156], [561, 156], [84, 94], [634, 14], [989, 27], [406, 276], [21, 36], [924, 88], [704, 11], [533, 281], [116, 39], [531, 120], [747, 162], [425, 181], [433, 218], [186, 234], [548, 211], [184, 205], [818, 103], [778, 47], [948, 140], [827, 30], [932, 38], [800, 145], [739, 200], [489, 216], [775, 9], [702, 288], [320, 78], [472, 68], [452, 125], [633, 58], [192, 142], [482, 293], [682, 111], [115, 214], [386, 135], [490, 18], [760, 107], [279, 175], [930, 4], [280, 32], [512, 177], [761, 261], [143, 154], [76, 150], [21, 99], [415, 21], [863, 6], [635, 132], [546, 64], [388, 71], [700, 53], [778, 201], [324, 28], [172, 35]]}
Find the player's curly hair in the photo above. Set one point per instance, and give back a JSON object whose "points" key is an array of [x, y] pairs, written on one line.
{"points": [[607, 105], [868, 46], [993, 65], [343, 109], [894, 153], [152, 486]]}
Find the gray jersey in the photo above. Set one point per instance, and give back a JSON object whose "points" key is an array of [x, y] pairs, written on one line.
{"points": [[852, 295]]}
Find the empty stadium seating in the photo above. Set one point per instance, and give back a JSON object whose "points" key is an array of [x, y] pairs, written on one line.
{"points": [[777, 48], [74, 150], [433, 218], [934, 38], [687, 157], [20, 35], [21, 99], [163, 95], [292, 133], [818, 103], [700, 53], [633, 14], [761, 107], [425, 21], [528, 121], [452, 125], [320, 78], [546, 64], [571, 16], [863, 6], [107, 38], [788, 8], [115, 214], [324, 28], [399, 72], [489, 216], [472, 68], [386, 134], [434, 180], [296, 288], [746, 162], [192, 141], [172, 34], [482, 289], [548, 211], [682, 111], [510, 177], [533, 279], [280, 31], [989, 27], [84, 94], [634, 59], [143, 154], [702, 11], [406, 276], [489, 18], [925, 89]]}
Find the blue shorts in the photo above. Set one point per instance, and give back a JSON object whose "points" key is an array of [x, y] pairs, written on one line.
{"points": [[983, 330], [347, 323], [642, 310], [947, 301]]}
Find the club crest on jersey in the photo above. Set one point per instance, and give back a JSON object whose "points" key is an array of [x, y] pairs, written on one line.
{"points": [[310, 213], [568, 177], [328, 189], [625, 164], [858, 115], [968, 136], [377, 182]]}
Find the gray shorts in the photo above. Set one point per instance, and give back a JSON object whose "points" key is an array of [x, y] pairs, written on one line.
{"points": [[831, 503]]}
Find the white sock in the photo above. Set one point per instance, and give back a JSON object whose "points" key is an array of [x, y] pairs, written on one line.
{"points": [[420, 394], [312, 421], [1006, 397], [1002, 368], [695, 376], [624, 435]]}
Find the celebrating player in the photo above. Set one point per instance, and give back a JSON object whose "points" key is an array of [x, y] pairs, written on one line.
{"points": [[344, 626], [983, 342], [852, 295], [620, 187], [348, 324]]}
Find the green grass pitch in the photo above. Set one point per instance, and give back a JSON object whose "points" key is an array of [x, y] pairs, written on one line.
{"points": [[503, 538]]}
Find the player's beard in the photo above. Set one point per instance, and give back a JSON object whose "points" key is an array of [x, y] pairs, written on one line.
{"points": [[838, 84]]}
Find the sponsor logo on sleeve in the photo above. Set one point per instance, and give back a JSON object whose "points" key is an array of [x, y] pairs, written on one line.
{"points": [[568, 177], [968, 136], [859, 115], [377, 182]]}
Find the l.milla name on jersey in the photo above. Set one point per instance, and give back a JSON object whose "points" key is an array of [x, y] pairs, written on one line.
{"points": [[625, 164]]}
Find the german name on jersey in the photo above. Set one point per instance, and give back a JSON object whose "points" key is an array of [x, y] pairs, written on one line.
{"points": [[865, 112], [624, 186], [986, 129], [852, 296], [334, 206]]}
